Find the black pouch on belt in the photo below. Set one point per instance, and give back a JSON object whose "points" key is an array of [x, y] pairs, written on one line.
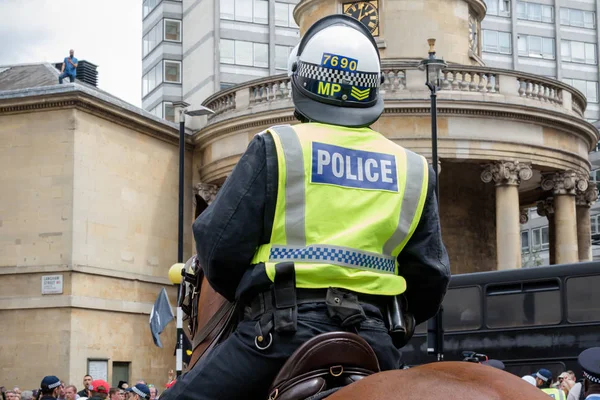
{"points": [[343, 307]]}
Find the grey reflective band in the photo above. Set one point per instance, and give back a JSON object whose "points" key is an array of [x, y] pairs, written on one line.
{"points": [[295, 204], [54, 385], [337, 255], [410, 201], [138, 392]]}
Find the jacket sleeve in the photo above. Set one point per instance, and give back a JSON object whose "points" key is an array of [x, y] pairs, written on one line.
{"points": [[228, 232], [424, 261]]}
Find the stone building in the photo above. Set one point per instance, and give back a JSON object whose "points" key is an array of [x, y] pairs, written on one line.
{"points": [[507, 139], [88, 230]]}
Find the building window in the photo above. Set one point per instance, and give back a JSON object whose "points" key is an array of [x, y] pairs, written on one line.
{"points": [[578, 52], [524, 241], [499, 8], [535, 12], [152, 79], [148, 6], [588, 88], [579, 18], [240, 52], [152, 39], [284, 15], [594, 223], [536, 46], [173, 71], [168, 111], [282, 53], [497, 42], [256, 11], [173, 30], [541, 239], [225, 85]]}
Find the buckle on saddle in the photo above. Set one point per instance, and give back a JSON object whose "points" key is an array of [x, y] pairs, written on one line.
{"points": [[284, 316]]}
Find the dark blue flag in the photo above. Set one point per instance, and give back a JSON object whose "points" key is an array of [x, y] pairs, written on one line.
{"points": [[160, 316]]}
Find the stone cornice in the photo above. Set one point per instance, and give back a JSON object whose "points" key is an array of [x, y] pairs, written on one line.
{"points": [[90, 104], [513, 112]]}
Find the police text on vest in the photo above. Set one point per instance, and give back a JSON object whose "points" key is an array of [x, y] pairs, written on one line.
{"points": [[341, 166]]}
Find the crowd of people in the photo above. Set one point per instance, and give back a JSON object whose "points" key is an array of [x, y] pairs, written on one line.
{"points": [[565, 386], [92, 389]]}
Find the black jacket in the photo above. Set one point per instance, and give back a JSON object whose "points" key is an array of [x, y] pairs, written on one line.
{"points": [[240, 219]]}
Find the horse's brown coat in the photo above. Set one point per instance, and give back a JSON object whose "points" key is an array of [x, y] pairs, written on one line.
{"points": [[442, 380]]}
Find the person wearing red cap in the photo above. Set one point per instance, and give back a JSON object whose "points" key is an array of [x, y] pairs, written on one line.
{"points": [[100, 389]]}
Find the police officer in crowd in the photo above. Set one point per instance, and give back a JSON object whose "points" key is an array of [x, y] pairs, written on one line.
{"points": [[321, 226], [589, 360], [543, 379], [138, 392], [49, 388]]}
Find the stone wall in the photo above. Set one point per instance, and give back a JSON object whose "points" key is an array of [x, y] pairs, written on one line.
{"points": [[468, 218], [94, 200]]}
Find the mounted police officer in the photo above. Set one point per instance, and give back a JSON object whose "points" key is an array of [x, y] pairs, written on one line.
{"points": [[322, 226], [589, 360]]}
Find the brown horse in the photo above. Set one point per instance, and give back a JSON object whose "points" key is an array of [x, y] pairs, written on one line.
{"points": [[211, 320]]}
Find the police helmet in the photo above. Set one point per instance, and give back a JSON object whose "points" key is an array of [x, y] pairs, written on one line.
{"points": [[335, 72]]}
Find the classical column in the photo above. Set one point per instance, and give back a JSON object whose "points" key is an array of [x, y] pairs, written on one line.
{"points": [[583, 202], [564, 186], [507, 175], [545, 208]]}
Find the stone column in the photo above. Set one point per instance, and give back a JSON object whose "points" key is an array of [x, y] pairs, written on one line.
{"points": [[507, 176], [583, 202], [546, 209], [564, 186]]}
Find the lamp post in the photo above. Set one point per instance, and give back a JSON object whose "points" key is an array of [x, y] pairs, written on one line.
{"points": [[180, 108], [433, 71]]}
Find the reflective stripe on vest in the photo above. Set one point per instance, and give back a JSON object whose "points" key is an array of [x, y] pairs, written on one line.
{"points": [[295, 247], [554, 393]]}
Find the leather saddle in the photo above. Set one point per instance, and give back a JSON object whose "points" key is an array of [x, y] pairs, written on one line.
{"points": [[323, 365]]}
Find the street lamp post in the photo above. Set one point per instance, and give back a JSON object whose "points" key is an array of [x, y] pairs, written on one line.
{"points": [[181, 107], [433, 70]]}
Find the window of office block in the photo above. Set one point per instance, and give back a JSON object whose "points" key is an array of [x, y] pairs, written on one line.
{"points": [[497, 42], [536, 46], [541, 238], [152, 39], [240, 52], [525, 242], [284, 15], [578, 52], [173, 30], [535, 12], [168, 111], [588, 88], [282, 54], [499, 8], [256, 11], [152, 78], [172, 71], [579, 18], [148, 6], [227, 51]]}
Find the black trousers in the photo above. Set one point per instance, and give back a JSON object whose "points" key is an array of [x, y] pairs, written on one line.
{"points": [[236, 369]]}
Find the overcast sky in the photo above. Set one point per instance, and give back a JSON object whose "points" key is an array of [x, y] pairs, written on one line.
{"points": [[105, 32]]}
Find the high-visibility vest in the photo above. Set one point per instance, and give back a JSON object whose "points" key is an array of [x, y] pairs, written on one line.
{"points": [[554, 393], [348, 201]]}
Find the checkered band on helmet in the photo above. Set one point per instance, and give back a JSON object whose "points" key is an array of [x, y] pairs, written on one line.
{"points": [[335, 86], [320, 73]]}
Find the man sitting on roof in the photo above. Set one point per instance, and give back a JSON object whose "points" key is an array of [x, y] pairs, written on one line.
{"points": [[69, 68]]}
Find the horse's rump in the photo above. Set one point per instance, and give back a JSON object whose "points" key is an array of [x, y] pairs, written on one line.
{"points": [[441, 380]]}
